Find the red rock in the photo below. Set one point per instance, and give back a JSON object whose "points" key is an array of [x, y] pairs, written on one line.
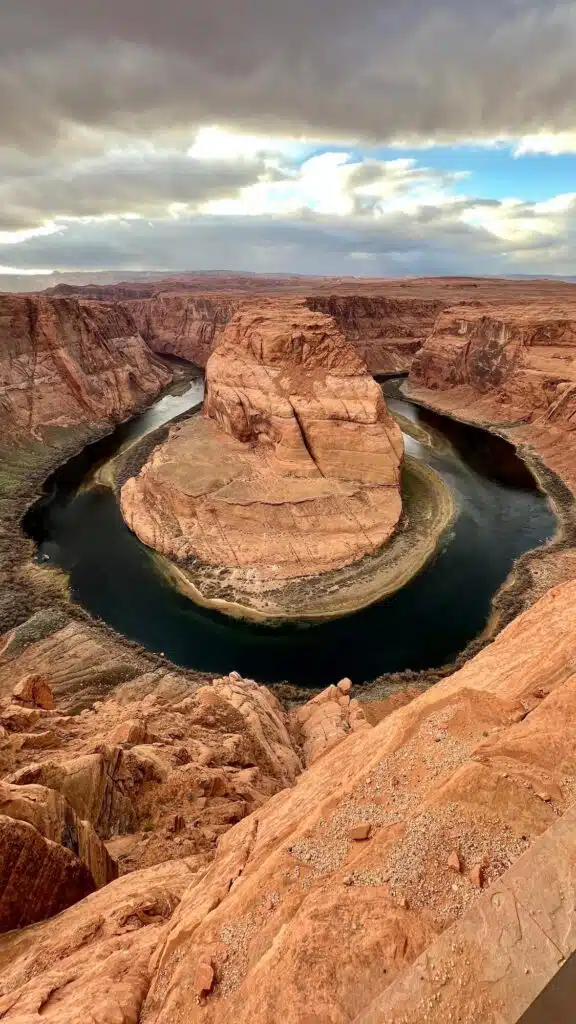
{"points": [[34, 690], [178, 823], [38, 877], [345, 685], [66, 363], [181, 324], [295, 450], [454, 862], [386, 331], [360, 832], [203, 979], [133, 732], [477, 875]]}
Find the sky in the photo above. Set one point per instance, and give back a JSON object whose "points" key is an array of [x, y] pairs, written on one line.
{"points": [[373, 138]]}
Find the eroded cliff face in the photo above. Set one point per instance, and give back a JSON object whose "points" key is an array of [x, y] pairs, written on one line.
{"points": [[522, 358], [386, 332], [513, 368], [63, 363], [182, 324], [294, 468], [315, 905]]}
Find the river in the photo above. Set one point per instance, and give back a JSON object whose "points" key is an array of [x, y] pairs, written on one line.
{"points": [[501, 514]]}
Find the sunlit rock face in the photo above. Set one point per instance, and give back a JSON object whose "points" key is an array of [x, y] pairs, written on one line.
{"points": [[520, 357], [65, 363], [294, 468]]}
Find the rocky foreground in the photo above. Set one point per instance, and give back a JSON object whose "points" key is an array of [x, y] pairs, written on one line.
{"points": [[294, 468], [271, 863]]}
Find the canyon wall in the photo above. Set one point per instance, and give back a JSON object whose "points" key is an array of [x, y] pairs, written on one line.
{"points": [[316, 905], [508, 366], [183, 324], [63, 363], [387, 332]]}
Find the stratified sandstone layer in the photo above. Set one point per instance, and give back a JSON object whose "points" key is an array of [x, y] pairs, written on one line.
{"points": [[315, 906], [294, 470], [181, 324], [63, 363], [386, 332], [513, 369], [69, 372]]}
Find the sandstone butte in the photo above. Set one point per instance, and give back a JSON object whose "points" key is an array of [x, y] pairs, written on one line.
{"points": [[294, 468], [241, 893]]}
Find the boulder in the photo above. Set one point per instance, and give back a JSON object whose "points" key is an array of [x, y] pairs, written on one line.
{"points": [[35, 690]]}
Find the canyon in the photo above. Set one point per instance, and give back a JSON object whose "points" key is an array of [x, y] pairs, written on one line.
{"points": [[213, 850], [292, 471]]}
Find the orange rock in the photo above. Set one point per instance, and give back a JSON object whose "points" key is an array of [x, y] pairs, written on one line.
{"points": [[87, 363], [360, 832], [33, 689], [38, 877], [132, 732], [477, 875], [454, 862], [203, 979]]}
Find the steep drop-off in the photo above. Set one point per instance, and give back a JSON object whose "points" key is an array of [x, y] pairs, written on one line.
{"points": [[315, 905], [68, 373], [293, 470], [513, 369], [183, 324], [289, 865], [386, 332], [63, 363]]}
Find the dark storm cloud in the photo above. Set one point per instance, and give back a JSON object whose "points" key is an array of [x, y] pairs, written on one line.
{"points": [[372, 68]]}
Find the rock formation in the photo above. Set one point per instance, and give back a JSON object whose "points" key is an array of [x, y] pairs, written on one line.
{"points": [[522, 358], [182, 324], [294, 469], [513, 368], [316, 905], [386, 332], [63, 363], [301, 864]]}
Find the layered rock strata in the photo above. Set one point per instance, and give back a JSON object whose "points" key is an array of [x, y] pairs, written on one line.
{"points": [[183, 324], [293, 470], [63, 363], [68, 373], [316, 905], [513, 369], [386, 332]]}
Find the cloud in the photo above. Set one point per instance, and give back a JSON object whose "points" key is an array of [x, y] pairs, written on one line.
{"points": [[549, 143], [145, 182], [375, 69], [469, 237]]}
